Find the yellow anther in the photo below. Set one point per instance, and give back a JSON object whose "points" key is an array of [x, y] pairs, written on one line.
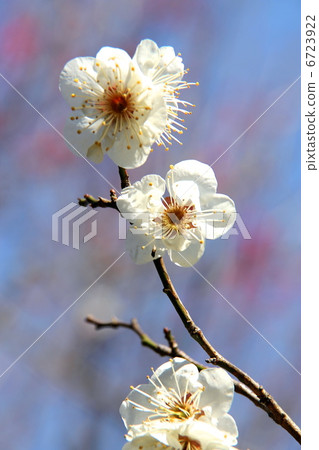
{"points": [[73, 95], [76, 80], [79, 132], [128, 147], [150, 184], [171, 166]]}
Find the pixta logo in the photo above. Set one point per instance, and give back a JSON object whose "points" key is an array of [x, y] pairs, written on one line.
{"points": [[70, 220]]}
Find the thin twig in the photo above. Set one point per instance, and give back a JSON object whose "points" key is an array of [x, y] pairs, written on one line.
{"points": [[101, 202], [145, 339], [273, 409], [171, 351]]}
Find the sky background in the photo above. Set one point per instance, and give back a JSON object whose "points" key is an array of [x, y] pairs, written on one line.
{"points": [[64, 393]]}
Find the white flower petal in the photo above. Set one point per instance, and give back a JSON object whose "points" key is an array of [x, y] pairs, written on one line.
{"points": [[142, 197], [172, 63], [219, 390], [95, 153], [184, 191], [228, 425], [158, 62], [220, 218], [158, 429], [140, 246], [176, 374], [177, 243], [72, 71], [147, 56], [156, 122], [129, 158], [199, 174], [108, 55], [130, 414], [145, 442], [207, 436], [79, 143], [191, 254]]}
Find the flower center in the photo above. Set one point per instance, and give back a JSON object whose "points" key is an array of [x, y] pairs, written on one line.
{"points": [[188, 444], [177, 217], [116, 103], [119, 103], [181, 408]]}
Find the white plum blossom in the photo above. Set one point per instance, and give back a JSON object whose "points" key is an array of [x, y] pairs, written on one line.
{"points": [[121, 106], [166, 70], [181, 408], [177, 223], [115, 108]]}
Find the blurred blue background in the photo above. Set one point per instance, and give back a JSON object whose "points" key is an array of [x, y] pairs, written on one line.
{"points": [[64, 393]]}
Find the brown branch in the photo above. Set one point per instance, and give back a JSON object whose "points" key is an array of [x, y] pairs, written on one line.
{"points": [[125, 180], [171, 351], [100, 202], [246, 385], [273, 409]]}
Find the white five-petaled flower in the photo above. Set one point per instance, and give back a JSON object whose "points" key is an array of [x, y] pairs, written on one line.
{"points": [[121, 106], [181, 408], [177, 223]]}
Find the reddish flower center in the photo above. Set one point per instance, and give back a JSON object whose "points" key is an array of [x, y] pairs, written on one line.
{"points": [[176, 216], [118, 103]]}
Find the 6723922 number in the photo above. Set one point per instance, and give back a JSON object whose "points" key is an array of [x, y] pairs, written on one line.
{"points": [[310, 39]]}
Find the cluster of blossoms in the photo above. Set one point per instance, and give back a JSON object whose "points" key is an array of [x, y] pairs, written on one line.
{"points": [[122, 105], [181, 409]]}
